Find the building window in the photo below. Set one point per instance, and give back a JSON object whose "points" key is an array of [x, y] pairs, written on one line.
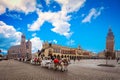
{"points": [[56, 50]]}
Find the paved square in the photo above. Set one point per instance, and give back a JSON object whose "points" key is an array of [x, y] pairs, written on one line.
{"points": [[80, 70]]}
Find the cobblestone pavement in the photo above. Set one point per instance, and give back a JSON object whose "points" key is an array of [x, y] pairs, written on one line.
{"points": [[82, 70]]}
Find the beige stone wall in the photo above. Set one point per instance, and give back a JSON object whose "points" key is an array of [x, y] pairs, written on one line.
{"points": [[101, 55], [53, 48], [117, 54]]}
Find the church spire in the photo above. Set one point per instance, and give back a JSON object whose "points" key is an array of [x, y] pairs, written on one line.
{"points": [[110, 33], [23, 36], [23, 40]]}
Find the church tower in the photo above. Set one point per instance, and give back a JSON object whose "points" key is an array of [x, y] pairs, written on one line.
{"points": [[110, 42], [23, 46], [29, 48]]}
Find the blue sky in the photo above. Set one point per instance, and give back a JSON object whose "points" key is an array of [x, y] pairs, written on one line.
{"points": [[64, 22]]}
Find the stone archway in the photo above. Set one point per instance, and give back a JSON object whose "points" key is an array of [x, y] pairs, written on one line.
{"points": [[61, 56], [58, 56], [54, 55], [65, 56]]}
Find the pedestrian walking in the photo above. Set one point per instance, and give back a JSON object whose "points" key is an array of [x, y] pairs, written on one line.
{"points": [[117, 59], [78, 59], [74, 60]]}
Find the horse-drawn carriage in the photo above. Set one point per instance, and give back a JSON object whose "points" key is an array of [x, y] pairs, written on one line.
{"points": [[55, 64]]}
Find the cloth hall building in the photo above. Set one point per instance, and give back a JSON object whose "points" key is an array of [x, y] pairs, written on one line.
{"points": [[63, 51]]}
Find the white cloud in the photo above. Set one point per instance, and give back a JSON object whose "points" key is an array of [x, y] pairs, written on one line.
{"points": [[99, 12], [60, 20], [71, 43], [82, 15], [38, 23], [54, 6], [14, 16], [3, 51], [71, 5], [25, 6], [34, 34], [47, 2], [2, 9], [8, 31], [39, 6], [55, 41], [90, 15], [36, 44], [93, 13], [8, 36]]}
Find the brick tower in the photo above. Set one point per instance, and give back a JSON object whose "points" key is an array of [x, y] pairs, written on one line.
{"points": [[23, 46], [28, 49], [110, 43]]}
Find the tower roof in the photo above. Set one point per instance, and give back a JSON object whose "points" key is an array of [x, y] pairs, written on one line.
{"points": [[110, 30], [23, 36], [110, 33]]}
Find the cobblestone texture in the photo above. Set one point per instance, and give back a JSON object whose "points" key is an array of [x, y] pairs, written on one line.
{"points": [[83, 70]]}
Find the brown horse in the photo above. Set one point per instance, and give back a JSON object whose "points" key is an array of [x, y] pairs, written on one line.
{"points": [[62, 64], [36, 61]]}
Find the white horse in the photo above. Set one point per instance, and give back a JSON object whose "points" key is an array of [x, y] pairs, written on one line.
{"points": [[61, 65], [46, 63], [32, 61]]}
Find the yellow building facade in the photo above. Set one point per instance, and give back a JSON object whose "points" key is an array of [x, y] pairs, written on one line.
{"points": [[62, 51]]}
